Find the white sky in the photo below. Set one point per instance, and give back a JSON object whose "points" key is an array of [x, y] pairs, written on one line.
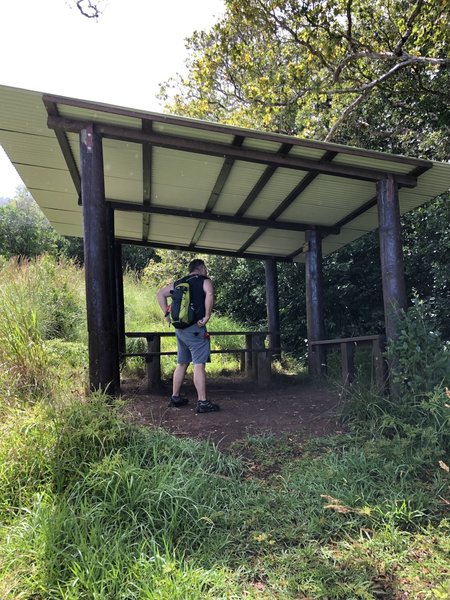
{"points": [[49, 46]]}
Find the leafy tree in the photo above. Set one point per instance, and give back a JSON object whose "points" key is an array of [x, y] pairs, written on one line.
{"points": [[426, 247], [240, 294], [24, 230], [73, 248], [309, 66], [134, 258], [168, 265], [361, 72], [353, 300]]}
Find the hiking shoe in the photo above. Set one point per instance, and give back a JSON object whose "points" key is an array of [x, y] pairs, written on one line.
{"points": [[177, 401], [205, 406]]}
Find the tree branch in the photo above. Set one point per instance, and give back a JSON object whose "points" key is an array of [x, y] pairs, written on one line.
{"points": [[93, 10], [398, 50], [406, 59], [350, 108], [365, 89]]}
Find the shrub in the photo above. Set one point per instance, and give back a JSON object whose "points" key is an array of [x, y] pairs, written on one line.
{"points": [[420, 358]]}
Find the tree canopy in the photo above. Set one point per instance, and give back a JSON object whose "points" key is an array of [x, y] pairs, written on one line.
{"points": [[368, 73], [316, 68]]}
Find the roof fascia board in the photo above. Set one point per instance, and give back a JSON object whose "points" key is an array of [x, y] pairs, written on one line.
{"points": [[129, 134], [204, 216], [230, 130]]}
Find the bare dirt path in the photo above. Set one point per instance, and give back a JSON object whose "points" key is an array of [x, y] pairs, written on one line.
{"points": [[287, 406]]}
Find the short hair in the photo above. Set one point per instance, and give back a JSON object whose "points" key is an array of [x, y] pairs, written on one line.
{"points": [[195, 264]]}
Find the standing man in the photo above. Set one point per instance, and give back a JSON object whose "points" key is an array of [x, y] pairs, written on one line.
{"points": [[193, 343]]}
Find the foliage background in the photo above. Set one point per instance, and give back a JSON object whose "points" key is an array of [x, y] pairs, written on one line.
{"points": [[366, 73]]}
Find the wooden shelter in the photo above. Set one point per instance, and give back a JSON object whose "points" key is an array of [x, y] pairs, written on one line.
{"points": [[116, 175]]}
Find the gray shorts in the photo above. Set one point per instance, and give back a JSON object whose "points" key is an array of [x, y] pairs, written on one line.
{"points": [[193, 345]]}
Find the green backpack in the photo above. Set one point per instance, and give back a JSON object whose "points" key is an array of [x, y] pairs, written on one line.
{"points": [[182, 312]]}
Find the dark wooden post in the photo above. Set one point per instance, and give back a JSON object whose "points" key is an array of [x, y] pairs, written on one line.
{"points": [[347, 362], [273, 307], [379, 363], [394, 291], [249, 355], [153, 362], [113, 291], [101, 317], [263, 371], [120, 304], [314, 302]]}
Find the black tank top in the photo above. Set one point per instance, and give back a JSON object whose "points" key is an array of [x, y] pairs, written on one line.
{"points": [[197, 293]]}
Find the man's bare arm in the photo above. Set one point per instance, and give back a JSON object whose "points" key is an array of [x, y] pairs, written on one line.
{"points": [[208, 288], [162, 295]]}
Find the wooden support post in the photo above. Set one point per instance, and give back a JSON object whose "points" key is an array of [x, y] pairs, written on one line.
{"points": [[262, 360], [314, 302], [347, 361], [153, 362], [391, 254], [242, 362], [120, 305], [273, 307], [379, 363], [100, 294], [249, 355]]}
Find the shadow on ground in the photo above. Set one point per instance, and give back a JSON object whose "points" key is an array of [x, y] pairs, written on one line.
{"points": [[286, 406]]}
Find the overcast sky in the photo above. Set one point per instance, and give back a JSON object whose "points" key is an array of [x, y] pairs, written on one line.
{"points": [[49, 46]]}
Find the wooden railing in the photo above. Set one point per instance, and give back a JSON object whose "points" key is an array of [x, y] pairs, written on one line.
{"points": [[255, 358], [347, 348]]}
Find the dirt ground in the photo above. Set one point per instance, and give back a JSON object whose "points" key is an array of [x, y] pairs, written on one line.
{"points": [[286, 406]]}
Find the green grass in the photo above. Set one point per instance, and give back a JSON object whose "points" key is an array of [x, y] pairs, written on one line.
{"points": [[92, 507]]}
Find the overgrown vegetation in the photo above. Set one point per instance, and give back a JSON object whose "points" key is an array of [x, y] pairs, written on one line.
{"points": [[94, 507]]}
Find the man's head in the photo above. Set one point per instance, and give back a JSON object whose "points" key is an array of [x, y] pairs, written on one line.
{"points": [[197, 266]]}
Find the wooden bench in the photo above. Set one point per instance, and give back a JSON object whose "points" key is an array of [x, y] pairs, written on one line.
{"points": [[347, 348], [255, 358]]}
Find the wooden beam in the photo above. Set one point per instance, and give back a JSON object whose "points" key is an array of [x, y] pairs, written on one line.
{"points": [[196, 146], [261, 183], [218, 218], [373, 201], [202, 250], [66, 150], [216, 191], [290, 198], [120, 304]]}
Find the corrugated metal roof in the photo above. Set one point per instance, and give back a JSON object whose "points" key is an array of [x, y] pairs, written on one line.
{"points": [[208, 187]]}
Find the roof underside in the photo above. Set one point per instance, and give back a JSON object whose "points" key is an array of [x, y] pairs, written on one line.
{"points": [[203, 187]]}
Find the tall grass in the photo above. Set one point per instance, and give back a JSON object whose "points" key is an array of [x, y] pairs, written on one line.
{"points": [[92, 507], [40, 302], [100, 503]]}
